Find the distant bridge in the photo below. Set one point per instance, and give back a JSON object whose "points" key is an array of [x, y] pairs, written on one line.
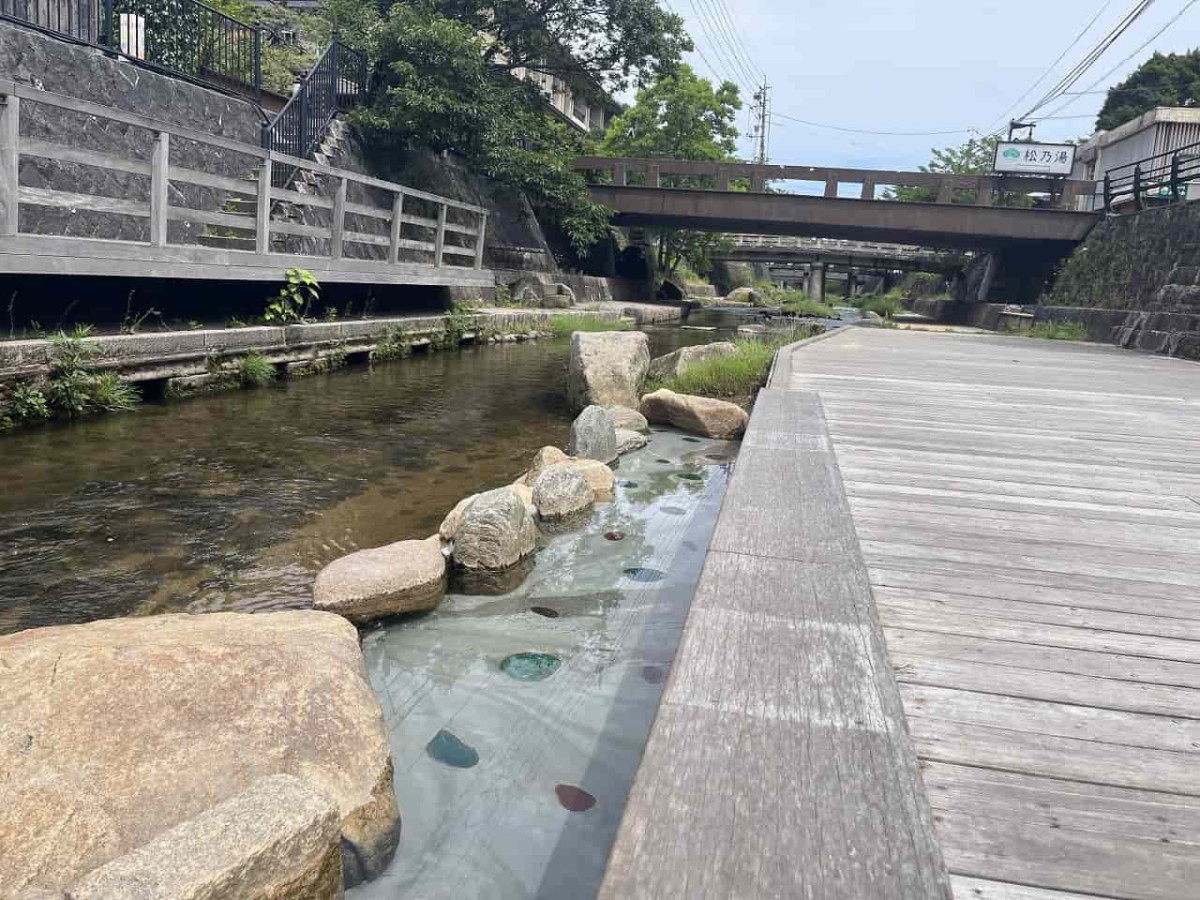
{"points": [[759, 248], [640, 193]]}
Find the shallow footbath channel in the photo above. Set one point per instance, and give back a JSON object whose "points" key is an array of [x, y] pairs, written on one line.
{"points": [[516, 734]]}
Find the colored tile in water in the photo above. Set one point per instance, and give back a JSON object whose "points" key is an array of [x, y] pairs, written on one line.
{"points": [[447, 748], [530, 666]]}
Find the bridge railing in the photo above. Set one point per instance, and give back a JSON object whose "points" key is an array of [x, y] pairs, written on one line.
{"points": [[982, 190], [1165, 178], [176, 187]]}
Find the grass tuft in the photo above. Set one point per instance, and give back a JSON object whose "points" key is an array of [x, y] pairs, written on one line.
{"points": [[563, 326], [801, 305], [111, 394], [736, 376], [1059, 331], [886, 305], [255, 369]]}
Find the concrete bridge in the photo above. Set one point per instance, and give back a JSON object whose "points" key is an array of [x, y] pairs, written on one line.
{"points": [[649, 198], [778, 249]]}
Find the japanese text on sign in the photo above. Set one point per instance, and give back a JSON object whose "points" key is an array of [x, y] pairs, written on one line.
{"points": [[1034, 159]]}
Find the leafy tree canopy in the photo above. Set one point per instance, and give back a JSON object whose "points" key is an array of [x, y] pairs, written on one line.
{"points": [[1163, 80], [680, 116], [617, 43], [438, 88], [975, 157]]}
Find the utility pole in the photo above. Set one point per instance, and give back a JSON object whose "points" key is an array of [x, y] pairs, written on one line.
{"points": [[760, 126]]}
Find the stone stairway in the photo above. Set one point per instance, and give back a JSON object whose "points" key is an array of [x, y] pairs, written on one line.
{"points": [[303, 182]]}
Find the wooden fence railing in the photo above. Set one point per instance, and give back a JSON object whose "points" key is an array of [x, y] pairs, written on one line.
{"points": [[387, 216], [943, 188]]}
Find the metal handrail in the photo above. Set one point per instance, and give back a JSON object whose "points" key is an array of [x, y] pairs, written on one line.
{"points": [[186, 38], [336, 81], [1172, 170]]}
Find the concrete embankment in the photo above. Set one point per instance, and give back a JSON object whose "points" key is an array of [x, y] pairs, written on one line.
{"points": [[200, 359]]}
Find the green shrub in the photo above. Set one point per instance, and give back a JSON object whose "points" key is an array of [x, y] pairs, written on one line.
{"points": [[28, 404], [886, 305], [1059, 331], [802, 305], [564, 326], [255, 370], [292, 304]]}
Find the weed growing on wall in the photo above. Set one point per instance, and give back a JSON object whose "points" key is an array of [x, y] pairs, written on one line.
{"points": [[392, 344], [255, 370]]}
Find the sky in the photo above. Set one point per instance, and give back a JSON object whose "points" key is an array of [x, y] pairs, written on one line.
{"points": [[917, 66]]}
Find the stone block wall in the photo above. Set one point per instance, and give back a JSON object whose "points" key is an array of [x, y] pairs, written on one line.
{"points": [[50, 64], [1135, 282]]}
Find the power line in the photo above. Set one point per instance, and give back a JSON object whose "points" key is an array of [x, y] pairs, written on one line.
{"points": [[1086, 28], [1090, 58], [846, 130], [720, 43], [747, 57], [1154, 37]]}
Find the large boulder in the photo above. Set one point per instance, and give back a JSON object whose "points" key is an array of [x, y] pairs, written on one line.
{"points": [[496, 532], [408, 576], [547, 456], [449, 526], [593, 435], [698, 415], [627, 417], [628, 441], [114, 732], [684, 358], [279, 838], [561, 492], [599, 476], [607, 368]]}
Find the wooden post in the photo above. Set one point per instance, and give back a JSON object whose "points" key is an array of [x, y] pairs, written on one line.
{"points": [[10, 155], [439, 242], [758, 182], [653, 179], [479, 239], [868, 190], [619, 178], [831, 186], [945, 192], [339, 220], [723, 178], [160, 165], [262, 210], [397, 224]]}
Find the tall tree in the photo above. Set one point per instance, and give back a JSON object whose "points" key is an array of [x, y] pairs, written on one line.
{"points": [[975, 157], [680, 116], [1163, 80]]}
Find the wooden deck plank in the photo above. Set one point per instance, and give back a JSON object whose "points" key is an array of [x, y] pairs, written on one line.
{"points": [[779, 764], [1029, 513], [1032, 684]]}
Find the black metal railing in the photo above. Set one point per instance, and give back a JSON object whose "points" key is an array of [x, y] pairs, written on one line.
{"points": [[181, 37], [1153, 181], [336, 81]]}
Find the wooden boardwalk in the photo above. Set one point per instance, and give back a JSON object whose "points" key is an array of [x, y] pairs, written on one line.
{"points": [[1029, 513], [947, 638]]}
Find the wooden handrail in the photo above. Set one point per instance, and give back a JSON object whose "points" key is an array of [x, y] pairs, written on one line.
{"points": [[159, 210]]}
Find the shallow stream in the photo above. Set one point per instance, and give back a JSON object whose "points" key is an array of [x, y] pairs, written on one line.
{"points": [[517, 722]]}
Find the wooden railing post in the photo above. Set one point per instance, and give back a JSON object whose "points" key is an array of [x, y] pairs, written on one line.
{"points": [[10, 156], [722, 178], [339, 220], [439, 242], [479, 238], [831, 186], [397, 223], [619, 178], [868, 190], [653, 179], [262, 210], [160, 176], [985, 191]]}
